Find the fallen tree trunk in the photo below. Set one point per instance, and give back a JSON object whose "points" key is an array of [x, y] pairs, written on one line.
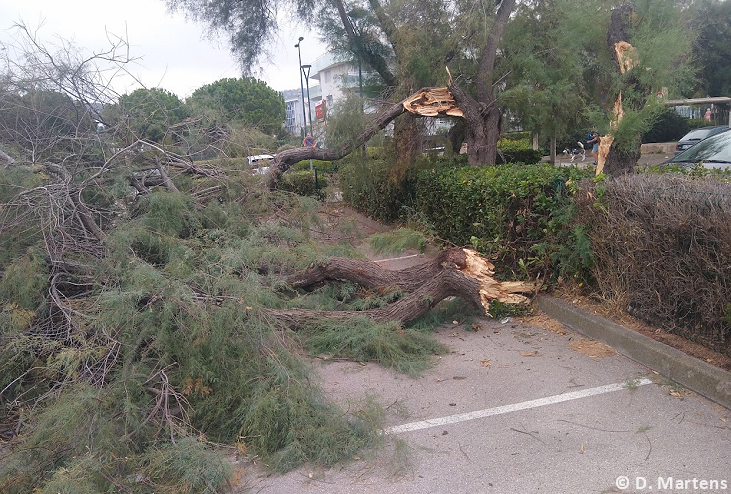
{"points": [[455, 272]]}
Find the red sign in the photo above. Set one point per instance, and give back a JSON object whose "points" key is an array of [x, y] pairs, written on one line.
{"points": [[320, 110], [309, 142]]}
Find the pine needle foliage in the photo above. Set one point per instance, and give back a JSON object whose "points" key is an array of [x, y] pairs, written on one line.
{"points": [[407, 350], [397, 241], [156, 352]]}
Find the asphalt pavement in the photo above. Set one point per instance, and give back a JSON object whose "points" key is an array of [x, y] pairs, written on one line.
{"points": [[524, 406]]}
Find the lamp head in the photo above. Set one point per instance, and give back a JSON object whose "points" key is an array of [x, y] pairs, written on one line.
{"points": [[301, 38]]}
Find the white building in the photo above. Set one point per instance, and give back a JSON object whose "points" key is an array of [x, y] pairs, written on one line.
{"points": [[336, 78], [295, 117], [333, 81]]}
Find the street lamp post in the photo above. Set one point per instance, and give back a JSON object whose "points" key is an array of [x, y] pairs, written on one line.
{"points": [[306, 72], [302, 89]]}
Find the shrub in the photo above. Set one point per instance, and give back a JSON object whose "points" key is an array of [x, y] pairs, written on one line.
{"points": [[662, 246], [321, 166], [518, 151], [370, 187], [304, 183], [503, 211], [669, 126]]}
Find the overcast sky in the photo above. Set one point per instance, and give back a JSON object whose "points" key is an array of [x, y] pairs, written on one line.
{"points": [[172, 52]]}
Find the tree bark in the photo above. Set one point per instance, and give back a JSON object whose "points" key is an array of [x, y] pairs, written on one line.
{"points": [[455, 272], [482, 115], [620, 160]]}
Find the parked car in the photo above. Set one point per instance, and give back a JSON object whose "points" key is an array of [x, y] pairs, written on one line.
{"points": [[259, 163], [712, 152], [697, 135]]}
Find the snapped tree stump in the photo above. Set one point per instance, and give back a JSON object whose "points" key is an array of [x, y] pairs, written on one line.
{"points": [[455, 272]]}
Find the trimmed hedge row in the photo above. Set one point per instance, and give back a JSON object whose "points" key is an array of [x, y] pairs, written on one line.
{"points": [[518, 151], [506, 212], [662, 249]]}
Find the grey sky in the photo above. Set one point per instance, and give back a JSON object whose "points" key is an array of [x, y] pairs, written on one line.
{"points": [[172, 51]]}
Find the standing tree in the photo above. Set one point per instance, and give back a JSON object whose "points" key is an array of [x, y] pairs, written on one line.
{"points": [[249, 24], [654, 28], [712, 20], [546, 92], [246, 100], [149, 113], [647, 42]]}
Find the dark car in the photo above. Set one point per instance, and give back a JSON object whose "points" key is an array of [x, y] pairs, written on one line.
{"points": [[712, 152], [697, 135]]}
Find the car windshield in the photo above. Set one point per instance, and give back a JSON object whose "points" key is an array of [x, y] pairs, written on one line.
{"points": [[716, 148], [700, 134]]}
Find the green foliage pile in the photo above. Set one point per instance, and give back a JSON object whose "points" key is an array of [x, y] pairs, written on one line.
{"points": [[505, 212], [408, 349], [395, 242], [159, 352]]}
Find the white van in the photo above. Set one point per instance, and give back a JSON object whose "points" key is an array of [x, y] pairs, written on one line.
{"points": [[259, 163]]}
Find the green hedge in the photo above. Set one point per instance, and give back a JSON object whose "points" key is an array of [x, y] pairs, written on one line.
{"points": [[304, 183], [321, 166], [518, 151], [503, 211], [371, 187]]}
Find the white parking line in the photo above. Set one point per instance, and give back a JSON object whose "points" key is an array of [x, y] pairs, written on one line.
{"points": [[489, 412]]}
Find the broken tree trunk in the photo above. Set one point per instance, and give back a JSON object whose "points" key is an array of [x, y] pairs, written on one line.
{"points": [[613, 160], [430, 102], [455, 272]]}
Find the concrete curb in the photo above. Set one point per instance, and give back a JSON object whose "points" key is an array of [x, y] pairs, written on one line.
{"points": [[696, 375]]}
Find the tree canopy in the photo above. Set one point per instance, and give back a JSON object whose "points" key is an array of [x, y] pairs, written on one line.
{"points": [[712, 21], [563, 69], [247, 100], [151, 112]]}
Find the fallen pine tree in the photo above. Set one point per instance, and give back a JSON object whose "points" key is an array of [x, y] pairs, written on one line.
{"points": [[454, 272]]}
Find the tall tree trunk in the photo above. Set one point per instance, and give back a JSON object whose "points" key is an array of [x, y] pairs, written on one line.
{"points": [[619, 160], [482, 115]]}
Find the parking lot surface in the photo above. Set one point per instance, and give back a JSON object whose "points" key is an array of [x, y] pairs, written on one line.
{"points": [[523, 406]]}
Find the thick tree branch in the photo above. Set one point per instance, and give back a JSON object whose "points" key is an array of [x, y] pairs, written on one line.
{"points": [[455, 272], [431, 102], [485, 78]]}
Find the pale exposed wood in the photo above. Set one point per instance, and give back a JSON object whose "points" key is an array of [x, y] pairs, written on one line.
{"points": [[626, 56], [431, 102]]}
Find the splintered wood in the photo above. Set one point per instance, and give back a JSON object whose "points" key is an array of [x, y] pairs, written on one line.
{"points": [[433, 102], [482, 271]]}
